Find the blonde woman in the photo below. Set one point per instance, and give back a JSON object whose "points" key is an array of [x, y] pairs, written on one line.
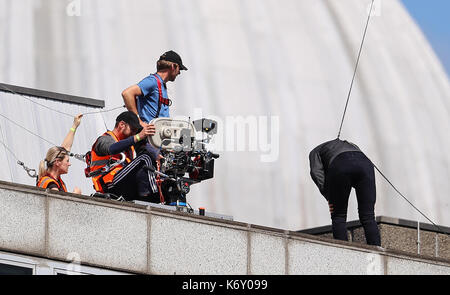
{"points": [[57, 162]]}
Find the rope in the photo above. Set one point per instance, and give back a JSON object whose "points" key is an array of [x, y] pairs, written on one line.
{"points": [[356, 67], [31, 132], [406, 199]]}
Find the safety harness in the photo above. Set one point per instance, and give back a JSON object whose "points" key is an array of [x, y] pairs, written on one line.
{"points": [[167, 102], [102, 169], [46, 180], [161, 99]]}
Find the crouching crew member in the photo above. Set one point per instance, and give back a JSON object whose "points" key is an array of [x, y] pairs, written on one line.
{"points": [[129, 179], [57, 162], [336, 167]]}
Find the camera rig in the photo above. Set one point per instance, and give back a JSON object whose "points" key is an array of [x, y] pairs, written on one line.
{"points": [[185, 159]]}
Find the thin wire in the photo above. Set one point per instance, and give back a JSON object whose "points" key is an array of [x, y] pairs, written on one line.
{"points": [[42, 105], [76, 156], [31, 132], [7, 148], [29, 171], [104, 121], [105, 111], [55, 110], [406, 199], [345, 110], [356, 67], [101, 114]]}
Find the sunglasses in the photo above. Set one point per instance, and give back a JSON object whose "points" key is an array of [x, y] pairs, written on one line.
{"points": [[61, 153]]}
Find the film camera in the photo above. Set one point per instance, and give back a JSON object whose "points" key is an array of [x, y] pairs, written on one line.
{"points": [[186, 160]]}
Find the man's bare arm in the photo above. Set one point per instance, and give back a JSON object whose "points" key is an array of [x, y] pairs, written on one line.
{"points": [[129, 98], [68, 140]]}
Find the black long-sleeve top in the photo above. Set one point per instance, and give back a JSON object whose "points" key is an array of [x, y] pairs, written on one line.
{"points": [[320, 159], [106, 145]]}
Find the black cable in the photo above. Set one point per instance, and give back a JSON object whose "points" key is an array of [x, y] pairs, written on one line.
{"points": [[406, 199], [356, 67]]}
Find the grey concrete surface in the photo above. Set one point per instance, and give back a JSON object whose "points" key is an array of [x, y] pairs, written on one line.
{"points": [[98, 234], [22, 221], [188, 247], [398, 266], [399, 235], [138, 239], [267, 254], [306, 258]]}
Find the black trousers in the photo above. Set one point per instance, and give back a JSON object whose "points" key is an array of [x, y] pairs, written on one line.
{"points": [[352, 169], [133, 182]]}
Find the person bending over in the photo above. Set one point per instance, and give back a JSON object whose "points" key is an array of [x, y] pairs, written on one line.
{"points": [[336, 167]]}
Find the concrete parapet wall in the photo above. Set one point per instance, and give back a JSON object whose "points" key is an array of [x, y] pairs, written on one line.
{"points": [[140, 239], [398, 234]]}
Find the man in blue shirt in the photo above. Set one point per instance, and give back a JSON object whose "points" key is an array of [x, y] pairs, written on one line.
{"points": [[148, 99]]}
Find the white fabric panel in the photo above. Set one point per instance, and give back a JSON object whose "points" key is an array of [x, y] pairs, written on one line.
{"points": [[36, 129], [251, 60]]}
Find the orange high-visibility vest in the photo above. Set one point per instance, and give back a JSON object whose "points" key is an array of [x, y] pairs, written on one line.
{"points": [[45, 181], [99, 162]]}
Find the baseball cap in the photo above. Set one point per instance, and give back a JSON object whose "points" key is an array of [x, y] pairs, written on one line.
{"points": [[131, 119], [172, 56]]}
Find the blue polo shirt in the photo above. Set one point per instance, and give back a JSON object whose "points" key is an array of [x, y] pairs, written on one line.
{"points": [[147, 103]]}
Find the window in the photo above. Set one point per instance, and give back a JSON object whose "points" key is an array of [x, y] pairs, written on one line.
{"points": [[13, 269], [62, 272]]}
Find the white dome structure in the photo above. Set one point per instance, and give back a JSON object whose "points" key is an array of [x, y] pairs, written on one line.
{"points": [[274, 74]]}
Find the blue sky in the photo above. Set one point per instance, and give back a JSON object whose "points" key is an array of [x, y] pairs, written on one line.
{"points": [[433, 17]]}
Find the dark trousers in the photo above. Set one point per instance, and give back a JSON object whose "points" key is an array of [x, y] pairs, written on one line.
{"points": [[133, 182], [352, 169]]}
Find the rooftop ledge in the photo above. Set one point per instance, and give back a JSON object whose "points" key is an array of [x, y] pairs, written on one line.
{"points": [[143, 239], [90, 102]]}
